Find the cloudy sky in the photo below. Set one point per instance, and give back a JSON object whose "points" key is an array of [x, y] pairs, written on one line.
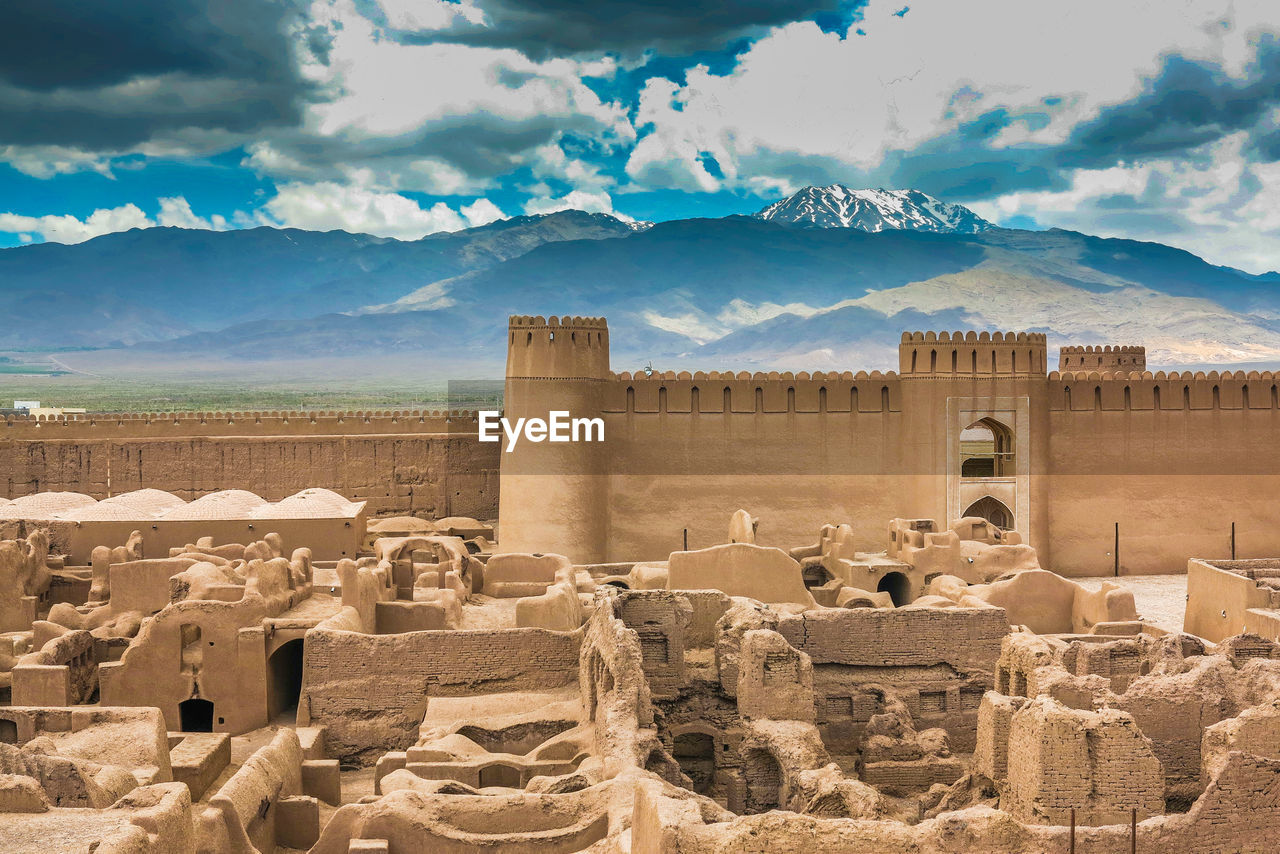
{"points": [[1152, 119]]}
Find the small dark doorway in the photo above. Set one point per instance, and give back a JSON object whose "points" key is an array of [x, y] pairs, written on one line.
{"points": [[196, 715], [500, 775], [284, 679], [816, 575], [8, 731], [898, 587], [695, 752]]}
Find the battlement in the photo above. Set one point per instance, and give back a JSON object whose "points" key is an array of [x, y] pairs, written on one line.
{"points": [[525, 321], [274, 423], [1107, 348], [747, 392], [974, 337], [557, 347], [1107, 357], [758, 376], [1105, 391], [972, 354]]}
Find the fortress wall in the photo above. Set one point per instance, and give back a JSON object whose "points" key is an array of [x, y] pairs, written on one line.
{"points": [[817, 448], [1169, 458], [821, 447], [400, 462]]}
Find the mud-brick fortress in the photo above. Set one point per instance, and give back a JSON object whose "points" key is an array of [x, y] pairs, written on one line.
{"points": [[1102, 466]]}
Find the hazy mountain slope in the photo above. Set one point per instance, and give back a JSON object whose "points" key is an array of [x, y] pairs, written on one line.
{"points": [[741, 291], [157, 283], [828, 278]]}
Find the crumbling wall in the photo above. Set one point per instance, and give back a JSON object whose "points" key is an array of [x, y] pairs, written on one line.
{"points": [[371, 690], [1098, 763]]}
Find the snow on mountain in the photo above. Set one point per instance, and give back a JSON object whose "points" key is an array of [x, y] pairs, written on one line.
{"points": [[838, 206]]}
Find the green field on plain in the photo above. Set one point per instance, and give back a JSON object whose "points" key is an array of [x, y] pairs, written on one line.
{"points": [[98, 383]]}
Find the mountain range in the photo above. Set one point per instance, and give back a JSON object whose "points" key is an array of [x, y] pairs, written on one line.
{"points": [[825, 279]]}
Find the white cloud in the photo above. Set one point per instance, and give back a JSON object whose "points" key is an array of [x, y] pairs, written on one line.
{"points": [[64, 228], [1219, 206], [845, 102], [580, 200], [481, 111], [176, 211], [422, 15], [46, 161], [327, 205], [481, 212]]}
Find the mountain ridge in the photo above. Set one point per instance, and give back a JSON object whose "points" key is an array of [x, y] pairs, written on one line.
{"points": [[874, 210], [744, 289]]}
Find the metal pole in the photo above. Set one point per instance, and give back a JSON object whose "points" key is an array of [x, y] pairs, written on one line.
{"points": [[686, 539], [1233, 540], [1116, 553], [1073, 831], [1133, 831]]}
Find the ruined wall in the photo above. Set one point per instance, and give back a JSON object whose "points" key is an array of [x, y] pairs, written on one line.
{"points": [[936, 661], [967, 639], [371, 691], [426, 463], [1098, 763]]}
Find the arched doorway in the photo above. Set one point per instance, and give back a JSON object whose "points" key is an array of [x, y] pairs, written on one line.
{"points": [[986, 450], [898, 586], [196, 715], [284, 679], [764, 781], [506, 776], [991, 509], [695, 752]]}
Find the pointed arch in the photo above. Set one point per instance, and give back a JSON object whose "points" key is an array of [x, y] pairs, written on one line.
{"points": [[993, 510], [986, 449]]}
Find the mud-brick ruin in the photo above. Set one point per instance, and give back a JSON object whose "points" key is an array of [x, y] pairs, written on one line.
{"points": [[886, 612]]}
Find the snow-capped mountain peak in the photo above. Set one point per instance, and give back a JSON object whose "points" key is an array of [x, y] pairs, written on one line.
{"points": [[838, 206]]}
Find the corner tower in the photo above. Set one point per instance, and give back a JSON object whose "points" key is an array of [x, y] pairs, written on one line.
{"points": [[1102, 359], [553, 496]]}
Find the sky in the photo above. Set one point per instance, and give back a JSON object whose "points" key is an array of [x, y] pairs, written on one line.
{"points": [[1149, 119]]}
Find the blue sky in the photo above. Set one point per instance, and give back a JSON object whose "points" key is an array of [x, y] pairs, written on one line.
{"points": [[1146, 119]]}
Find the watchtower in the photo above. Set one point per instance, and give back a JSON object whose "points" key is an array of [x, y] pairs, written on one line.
{"points": [[554, 496]]}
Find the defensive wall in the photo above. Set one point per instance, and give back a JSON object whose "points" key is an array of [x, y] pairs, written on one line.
{"points": [[1164, 464], [1197, 452], [428, 463]]}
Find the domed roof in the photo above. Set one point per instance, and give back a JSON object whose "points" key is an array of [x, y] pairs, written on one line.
{"points": [[227, 504], [104, 511], [312, 503], [147, 501], [401, 524], [44, 505]]}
